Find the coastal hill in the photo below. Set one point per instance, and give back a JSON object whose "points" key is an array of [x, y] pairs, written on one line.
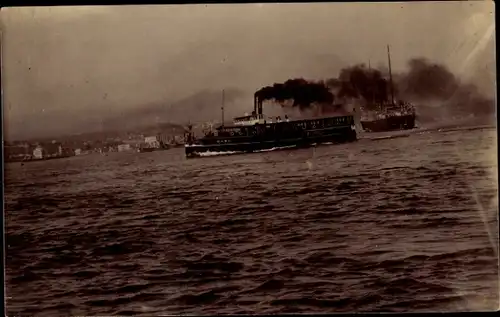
{"points": [[201, 106], [166, 118]]}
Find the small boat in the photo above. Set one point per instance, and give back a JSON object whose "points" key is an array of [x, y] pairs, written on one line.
{"points": [[145, 149]]}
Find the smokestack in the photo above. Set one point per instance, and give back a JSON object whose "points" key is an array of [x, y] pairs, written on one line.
{"points": [[255, 103]]}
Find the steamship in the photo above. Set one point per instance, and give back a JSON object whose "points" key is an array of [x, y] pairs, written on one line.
{"points": [[255, 133], [389, 116]]}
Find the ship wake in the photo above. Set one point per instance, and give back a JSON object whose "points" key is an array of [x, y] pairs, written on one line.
{"points": [[226, 153]]}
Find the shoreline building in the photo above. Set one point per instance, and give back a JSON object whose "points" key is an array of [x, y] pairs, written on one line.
{"points": [[152, 141], [124, 147], [53, 149], [20, 151]]}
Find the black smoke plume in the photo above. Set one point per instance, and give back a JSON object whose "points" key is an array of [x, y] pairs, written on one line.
{"points": [[423, 84], [359, 82], [303, 93], [426, 82]]}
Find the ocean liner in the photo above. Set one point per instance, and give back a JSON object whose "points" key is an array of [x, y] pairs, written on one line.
{"points": [[254, 133], [388, 116]]}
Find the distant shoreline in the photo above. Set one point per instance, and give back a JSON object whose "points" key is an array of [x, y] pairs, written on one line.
{"points": [[440, 128]]}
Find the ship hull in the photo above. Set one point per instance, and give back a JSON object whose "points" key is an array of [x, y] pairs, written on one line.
{"points": [[339, 135], [390, 124]]}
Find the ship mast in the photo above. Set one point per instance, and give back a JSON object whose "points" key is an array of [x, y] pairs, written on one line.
{"points": [[222, 108], [390, 75], [371, 88]]}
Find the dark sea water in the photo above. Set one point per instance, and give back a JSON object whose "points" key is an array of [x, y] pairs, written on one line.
{"points": [[401, 224]]}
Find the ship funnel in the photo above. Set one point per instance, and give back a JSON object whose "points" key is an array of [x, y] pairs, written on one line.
{"points": [[255, 103]]}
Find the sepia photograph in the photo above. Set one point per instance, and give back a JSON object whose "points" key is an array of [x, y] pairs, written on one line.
{"points": [[257, 158]]}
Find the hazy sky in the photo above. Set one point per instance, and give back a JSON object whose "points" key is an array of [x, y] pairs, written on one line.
{"points": [[68, 67]]}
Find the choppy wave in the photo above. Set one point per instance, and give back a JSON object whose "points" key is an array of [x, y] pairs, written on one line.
{"points": [[396, 225]]}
